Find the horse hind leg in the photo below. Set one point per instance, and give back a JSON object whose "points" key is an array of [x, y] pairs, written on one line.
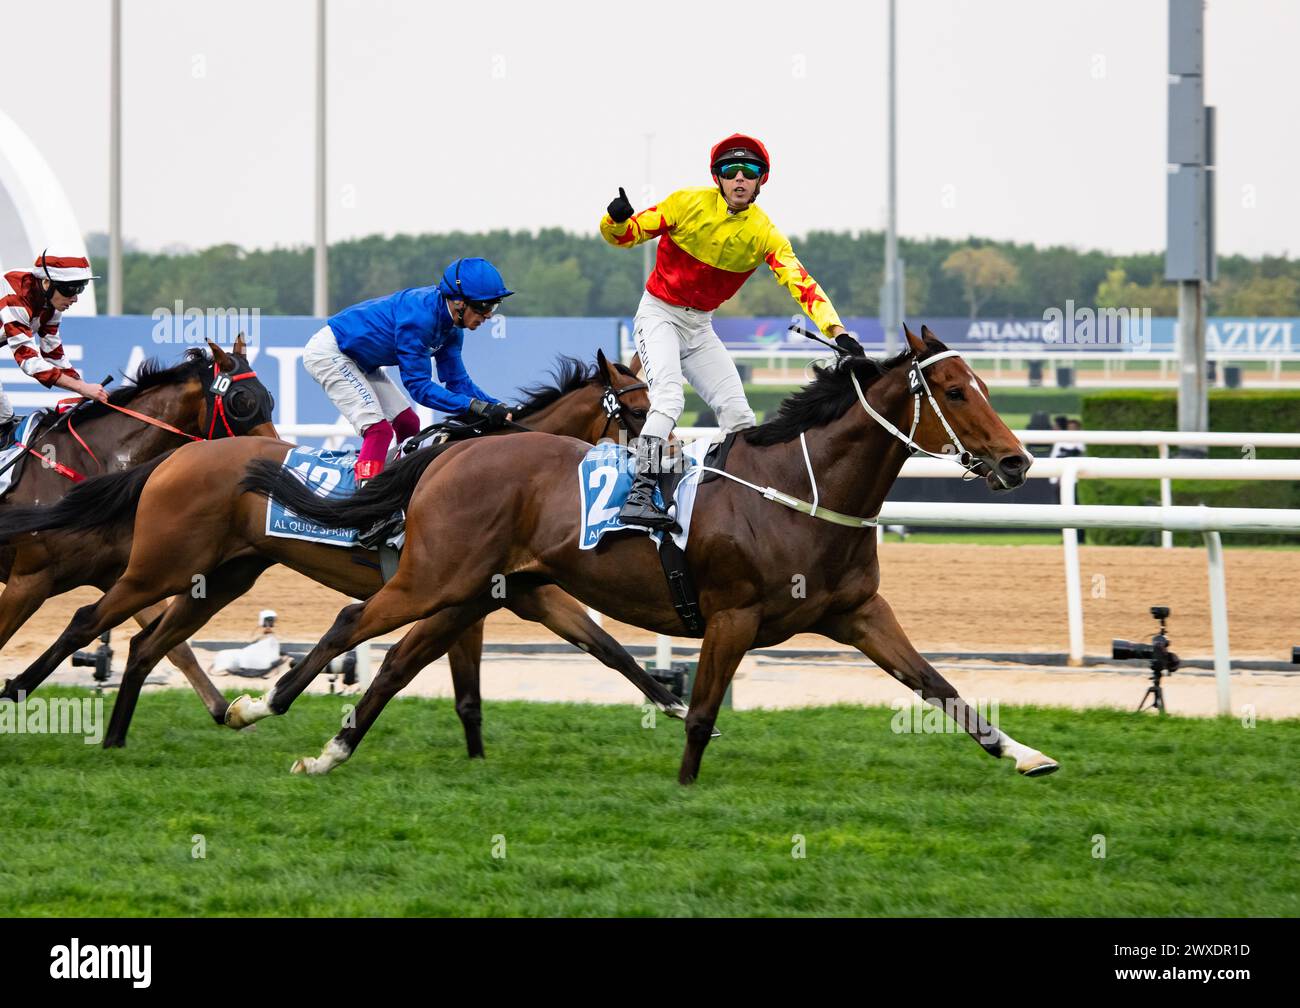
{"points": [[176, 623], [427, 641], [393, 606], [875, 632]]}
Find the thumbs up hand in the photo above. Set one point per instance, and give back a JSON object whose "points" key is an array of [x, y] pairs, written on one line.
{"points": [[620, 209]]}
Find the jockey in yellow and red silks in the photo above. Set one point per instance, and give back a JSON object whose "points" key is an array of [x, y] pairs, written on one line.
{"points": [[711, 239]]}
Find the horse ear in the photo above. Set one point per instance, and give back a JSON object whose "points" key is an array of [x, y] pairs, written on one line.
{"points": [[915, 342], [927, 333], [635, 366], [240, 346], [601, 361], [223, 360]]}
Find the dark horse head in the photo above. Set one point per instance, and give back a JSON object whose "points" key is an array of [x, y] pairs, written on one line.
{"points": [[214, 395]]}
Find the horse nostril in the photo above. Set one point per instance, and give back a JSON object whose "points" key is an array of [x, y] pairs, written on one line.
{"points": [[1012, 465]]}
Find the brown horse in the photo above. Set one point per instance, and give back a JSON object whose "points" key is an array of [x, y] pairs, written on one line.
{"points": [[192, 518], [841, 434], [164, 407]]}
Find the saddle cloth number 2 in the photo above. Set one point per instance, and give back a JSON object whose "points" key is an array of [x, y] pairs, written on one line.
{"points": [[606, 478]]}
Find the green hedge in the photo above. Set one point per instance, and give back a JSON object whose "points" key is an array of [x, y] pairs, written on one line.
{"points": [[1259, 410]]}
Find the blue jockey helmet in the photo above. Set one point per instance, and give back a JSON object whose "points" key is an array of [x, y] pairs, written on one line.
{"points": [[473, 279]]}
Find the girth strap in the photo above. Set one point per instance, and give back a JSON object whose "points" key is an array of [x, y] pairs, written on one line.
{"points": [[681, 586]]}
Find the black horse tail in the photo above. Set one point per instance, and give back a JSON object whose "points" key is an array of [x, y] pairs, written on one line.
{"points": [[380, 498], [97, 502]]}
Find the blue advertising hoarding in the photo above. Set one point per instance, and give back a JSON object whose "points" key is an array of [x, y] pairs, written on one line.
{"points": [[504, 356]]}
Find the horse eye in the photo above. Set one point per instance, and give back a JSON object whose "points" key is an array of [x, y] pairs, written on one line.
{"points": [[955, 394], [638, 413]]}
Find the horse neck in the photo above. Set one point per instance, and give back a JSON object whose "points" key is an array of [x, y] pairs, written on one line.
{"points": [[854, 459], [179, 405], [573, 414]]}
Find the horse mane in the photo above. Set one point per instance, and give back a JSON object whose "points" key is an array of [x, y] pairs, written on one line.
{"points": [[568, 375], [151, 373], [828, 396]]}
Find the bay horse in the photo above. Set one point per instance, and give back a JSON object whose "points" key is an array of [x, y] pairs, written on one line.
{"points": [[192, 518], [841, 437], [160, 408]]}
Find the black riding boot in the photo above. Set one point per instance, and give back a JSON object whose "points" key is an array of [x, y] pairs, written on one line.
{"points": [[640, 507], [8, 428]]}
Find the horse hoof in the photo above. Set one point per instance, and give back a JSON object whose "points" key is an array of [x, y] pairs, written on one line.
{"points": [[1037, 765], [714, 733], [243, 712], [302, 766], [677, 712]]}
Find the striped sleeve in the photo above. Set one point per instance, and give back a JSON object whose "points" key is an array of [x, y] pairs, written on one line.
{"points": [[791, 275], [51, 346], [641, 227], [16, 319]]}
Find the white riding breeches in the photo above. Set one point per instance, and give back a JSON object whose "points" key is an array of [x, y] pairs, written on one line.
{"points": [[363, 399], [679, 343]]}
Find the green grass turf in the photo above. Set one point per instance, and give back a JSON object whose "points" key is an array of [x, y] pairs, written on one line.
{"points": [[1200, 817]]}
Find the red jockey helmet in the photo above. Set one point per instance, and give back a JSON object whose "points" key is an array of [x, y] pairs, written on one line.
{"points": [[739, 146]]}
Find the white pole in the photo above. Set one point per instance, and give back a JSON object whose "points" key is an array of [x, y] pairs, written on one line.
{"points": [[1219, 621], [1166, 500], [321, 282], [1073, 590], [663, 652], [115, 164], [894, 310], [363, 665]]}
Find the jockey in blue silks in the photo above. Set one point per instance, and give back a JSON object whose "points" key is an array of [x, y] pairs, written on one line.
{"points": [[412, 329]]}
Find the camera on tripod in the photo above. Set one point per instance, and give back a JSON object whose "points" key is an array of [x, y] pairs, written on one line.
{"points": [[101, 659], [1157, 655]]}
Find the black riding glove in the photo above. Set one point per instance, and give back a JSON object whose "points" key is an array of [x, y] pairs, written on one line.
{"points": [[494, 412], [620, 209]]}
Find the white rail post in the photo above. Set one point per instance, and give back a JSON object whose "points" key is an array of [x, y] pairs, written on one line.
{"points": [[1219, 621], [1166, 500], [363, 665], [1073, 590], [663, 652]]}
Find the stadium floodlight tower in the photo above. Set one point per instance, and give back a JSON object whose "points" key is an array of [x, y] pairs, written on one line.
{"points": [[1189, 244]]}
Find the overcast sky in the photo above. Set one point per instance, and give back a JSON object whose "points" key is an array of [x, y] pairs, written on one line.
{"points": [[1018, 119]]}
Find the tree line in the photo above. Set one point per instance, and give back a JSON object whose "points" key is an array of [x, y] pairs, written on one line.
{"points": [[560, 273]]}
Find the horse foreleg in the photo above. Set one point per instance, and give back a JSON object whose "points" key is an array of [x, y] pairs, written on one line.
{"points": [[424, 643], [177, 622], [22, 596], [185, 660], [465, 657], [874, 630], [567, 618], [125, 598], [727, 637]]}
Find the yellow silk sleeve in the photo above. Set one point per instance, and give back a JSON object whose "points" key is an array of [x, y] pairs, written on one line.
{"points": [[791, 275], [641, 227]]}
